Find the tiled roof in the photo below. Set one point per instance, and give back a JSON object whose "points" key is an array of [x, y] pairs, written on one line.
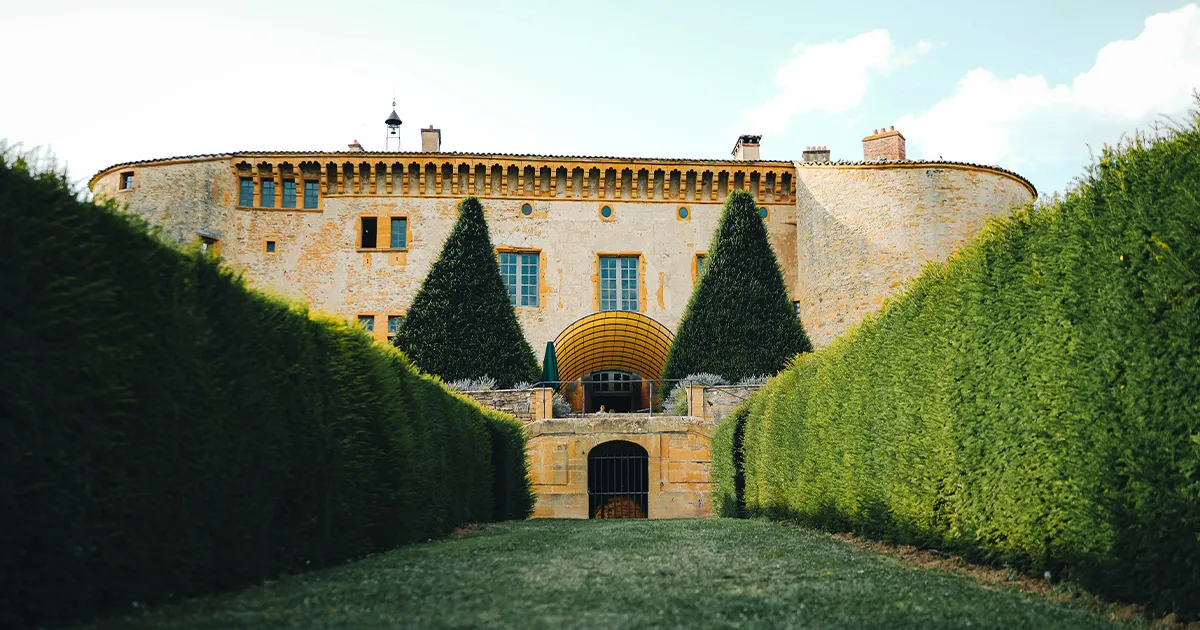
{"points": [[361, 154]]}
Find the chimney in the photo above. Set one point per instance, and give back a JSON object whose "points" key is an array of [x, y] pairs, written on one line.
{"points": [[431, 140], [355, 147], [816, 154], [746, 149], [884, 145]]}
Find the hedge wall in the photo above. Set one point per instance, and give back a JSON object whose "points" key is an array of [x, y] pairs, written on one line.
{"points": [[165, 432], [1034, 401]]}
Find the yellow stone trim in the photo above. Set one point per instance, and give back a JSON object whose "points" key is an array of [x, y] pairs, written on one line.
{"points": [[612, 212], [689, 213]]}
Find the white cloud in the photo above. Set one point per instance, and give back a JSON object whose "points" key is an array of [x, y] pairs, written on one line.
{"points": [[1025, 121], [839, 72]]}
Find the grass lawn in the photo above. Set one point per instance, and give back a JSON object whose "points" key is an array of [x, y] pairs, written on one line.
{"points": [[626, 574]]}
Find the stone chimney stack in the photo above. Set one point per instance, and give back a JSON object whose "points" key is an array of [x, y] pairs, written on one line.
{"points": [[431, 140], [746, 149], [884, 145], [355, 147], [816, 154]]}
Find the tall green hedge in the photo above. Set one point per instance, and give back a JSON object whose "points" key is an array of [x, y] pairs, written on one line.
{"points": [[739, 321], [165, 432], [461, 323], [1034, 401]]}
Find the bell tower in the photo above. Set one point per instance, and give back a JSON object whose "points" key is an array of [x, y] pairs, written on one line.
{"points": [[393, 130]]}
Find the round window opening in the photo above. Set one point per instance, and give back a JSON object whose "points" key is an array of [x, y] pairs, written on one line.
{"points": [[683, 213], [762, 212], [606, 211], [526, 209]]}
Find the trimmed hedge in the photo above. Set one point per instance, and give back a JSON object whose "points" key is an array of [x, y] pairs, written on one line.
{"points": [[461, 324], [739, 321], [1035, 401], [165, 432]]}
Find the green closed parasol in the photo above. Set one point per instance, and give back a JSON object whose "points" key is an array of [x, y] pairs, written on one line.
{"points": [[550, 367]]}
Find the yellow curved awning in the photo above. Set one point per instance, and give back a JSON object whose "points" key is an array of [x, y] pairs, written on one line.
{"points": [[613, 340]]}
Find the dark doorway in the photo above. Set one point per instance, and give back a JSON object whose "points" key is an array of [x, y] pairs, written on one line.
{"points": [[618, 481], [618, 391]]}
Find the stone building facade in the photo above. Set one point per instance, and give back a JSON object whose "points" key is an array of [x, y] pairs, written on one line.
{"points": [[600, 255], [353, 233]]}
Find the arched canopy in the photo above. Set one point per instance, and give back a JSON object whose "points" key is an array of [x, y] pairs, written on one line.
{"points": [[613, 340]]}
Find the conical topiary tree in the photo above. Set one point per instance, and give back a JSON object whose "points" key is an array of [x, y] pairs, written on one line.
{"points": [[739, 321], [461, 323]]}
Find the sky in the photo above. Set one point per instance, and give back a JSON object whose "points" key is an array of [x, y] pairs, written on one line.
{"points": [[1033, 86]]}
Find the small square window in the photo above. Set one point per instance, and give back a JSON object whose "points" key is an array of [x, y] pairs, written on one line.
{"points": [[367, 323], [270, 247], [289, 193], [394, 322], [126, 181], [312, 192], [367, 234]]}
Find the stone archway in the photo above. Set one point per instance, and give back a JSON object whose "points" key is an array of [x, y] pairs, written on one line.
{"points": [[618, 480]]}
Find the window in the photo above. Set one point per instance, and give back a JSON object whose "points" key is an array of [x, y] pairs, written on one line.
{"points": [[612, 382], [367, 323], [618, 283], [208, 245], [527, 209], [289, 193], [267, 198], [311, 193], [367, 233], [394, 322], [700, 264], [520, 273], [606, 212], [126, 181], [270, 247], [399, 232], [796, 308], [683, 213], [762, 212], [246, 192]]}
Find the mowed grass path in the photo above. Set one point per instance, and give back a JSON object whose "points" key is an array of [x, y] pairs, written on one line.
{"points": [[626, 574]]}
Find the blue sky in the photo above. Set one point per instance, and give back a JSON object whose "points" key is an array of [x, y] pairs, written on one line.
{"points": [[1026, 85]]}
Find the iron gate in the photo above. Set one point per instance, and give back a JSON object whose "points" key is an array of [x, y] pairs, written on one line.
{"points": [[618, 481]]}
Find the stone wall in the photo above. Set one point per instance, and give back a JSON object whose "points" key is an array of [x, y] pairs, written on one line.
{"points": [[863, 230], [316, 259], [514, 402], [679, 462], [716, 402]]}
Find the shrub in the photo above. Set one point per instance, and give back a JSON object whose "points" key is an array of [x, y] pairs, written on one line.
{"points": [[677, 403], [166, 432], [481, 384], [739, 321], [461, 324], [1034, 401], [559, 406]]}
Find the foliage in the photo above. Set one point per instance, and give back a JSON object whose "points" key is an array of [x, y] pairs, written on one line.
{"points": [[677, 402], [1034, 401], [165, 432], [482, 384], [739, 321], [559, 406], [461, 324]]}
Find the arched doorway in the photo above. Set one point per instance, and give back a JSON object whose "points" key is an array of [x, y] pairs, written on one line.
{"points": [[618, 480], [614, 356]]}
